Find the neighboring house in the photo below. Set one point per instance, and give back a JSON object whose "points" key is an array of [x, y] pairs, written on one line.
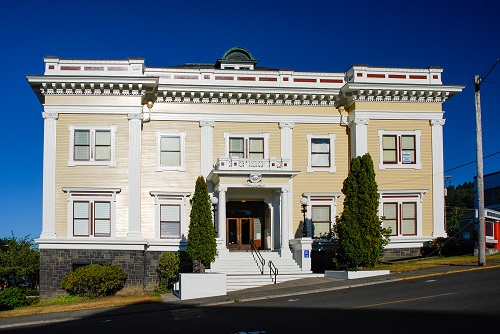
{"points": [[468, 223], [124, 144]]}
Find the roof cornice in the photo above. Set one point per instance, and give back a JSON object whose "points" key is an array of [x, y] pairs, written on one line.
{"points": [[368, 92], [91, 85]]}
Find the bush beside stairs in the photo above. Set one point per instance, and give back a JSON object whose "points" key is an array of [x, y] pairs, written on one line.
{"points": [[242, 271]]}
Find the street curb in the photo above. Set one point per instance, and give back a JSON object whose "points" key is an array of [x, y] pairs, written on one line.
{"points": [[40, 322], [291, 294]]}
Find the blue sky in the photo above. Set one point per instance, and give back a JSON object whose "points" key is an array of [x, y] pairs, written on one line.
{"points": [[463, 37]]}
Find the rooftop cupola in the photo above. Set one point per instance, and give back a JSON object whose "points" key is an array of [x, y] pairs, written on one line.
{"points": [[237, 58]]}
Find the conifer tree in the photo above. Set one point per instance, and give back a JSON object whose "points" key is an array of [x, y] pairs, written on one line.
{"points": [[201, 246], [358, 227]]}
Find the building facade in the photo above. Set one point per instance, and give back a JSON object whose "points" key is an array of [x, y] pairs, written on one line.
{"points": [[124, 144]]}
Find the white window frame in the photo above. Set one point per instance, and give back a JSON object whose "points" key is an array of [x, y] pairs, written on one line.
{"points": [[400, 164], [182, 136], [91, 162], [91, 195], [321, 199], [171, 198], [399, 197], [310, 168], [246, 136]]}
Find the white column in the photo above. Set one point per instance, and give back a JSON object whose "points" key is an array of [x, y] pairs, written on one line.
{"points": [[285, 223], [134, 176], [49, 175], [359, 136], [221, 215], [276, 221], [438, 178], [286, 139], [207, 129]]}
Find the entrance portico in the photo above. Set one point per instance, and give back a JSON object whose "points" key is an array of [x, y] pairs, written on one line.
{"points": [[253, 206]]}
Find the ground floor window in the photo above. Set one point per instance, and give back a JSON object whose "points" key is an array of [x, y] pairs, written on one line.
{"points": [[170, 214], [321, 220], [402, 213], [91, 212], [321, 210], [170, 221]]}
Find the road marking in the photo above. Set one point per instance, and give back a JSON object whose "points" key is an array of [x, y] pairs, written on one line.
{"points": [[399, 301], [293, 300], [430, 281]]}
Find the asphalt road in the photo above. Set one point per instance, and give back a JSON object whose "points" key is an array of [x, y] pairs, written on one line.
{"points": [[451, 303]]}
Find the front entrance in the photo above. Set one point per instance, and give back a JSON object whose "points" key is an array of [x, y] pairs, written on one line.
{"points": [[239, 233], [245, 221]]}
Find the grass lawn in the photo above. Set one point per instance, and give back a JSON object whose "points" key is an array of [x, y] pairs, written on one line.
{"points": [[71, 303], [433, 262]]}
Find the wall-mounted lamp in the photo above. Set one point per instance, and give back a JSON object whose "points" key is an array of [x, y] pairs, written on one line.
{"points": [[150, 105], [303, 202], [343, 116]]}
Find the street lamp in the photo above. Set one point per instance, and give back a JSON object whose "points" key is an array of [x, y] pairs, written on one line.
{"points": [[303, 203], [214, 201]]}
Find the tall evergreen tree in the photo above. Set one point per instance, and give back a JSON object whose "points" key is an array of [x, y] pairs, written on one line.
{"points": [[201, 246], [358, 227]]}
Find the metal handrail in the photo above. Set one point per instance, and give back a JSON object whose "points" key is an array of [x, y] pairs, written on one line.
{"points": [[273, 270], [259, 257]]}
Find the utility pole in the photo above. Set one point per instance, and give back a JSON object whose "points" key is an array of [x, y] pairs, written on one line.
{"points": [[481, 239], [481, 242]]}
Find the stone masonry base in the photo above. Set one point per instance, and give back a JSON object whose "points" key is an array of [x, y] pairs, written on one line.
{"points": [[400, 253], [141, 268]]}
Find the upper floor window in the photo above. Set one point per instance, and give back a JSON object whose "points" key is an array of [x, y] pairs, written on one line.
{"points": [[91, 212], [92, 145], [321, 156], [243, 146], [170, 148], [399, 149]]}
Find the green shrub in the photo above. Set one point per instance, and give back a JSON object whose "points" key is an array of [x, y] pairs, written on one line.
{"points": [[95, 280], [168, 270], [12, 298], [449, 246]]}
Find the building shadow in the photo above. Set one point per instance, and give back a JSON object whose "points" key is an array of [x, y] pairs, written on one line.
{"points": [[248, 318]]}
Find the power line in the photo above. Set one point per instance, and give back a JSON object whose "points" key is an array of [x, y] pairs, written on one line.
{"points": [[471, 162], [491, 82]]}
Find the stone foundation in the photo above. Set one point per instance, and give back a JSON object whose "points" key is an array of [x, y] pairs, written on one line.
{"points": [[141, 268], [401, 253]]}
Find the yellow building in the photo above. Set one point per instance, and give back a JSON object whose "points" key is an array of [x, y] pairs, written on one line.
{"points": [[124, 144]]}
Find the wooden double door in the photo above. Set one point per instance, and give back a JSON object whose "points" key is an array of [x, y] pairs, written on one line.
{"points": [[239, 233]]}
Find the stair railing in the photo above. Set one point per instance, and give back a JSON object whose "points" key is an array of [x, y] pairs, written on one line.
{"points": [[273, 270], [257, 257]]}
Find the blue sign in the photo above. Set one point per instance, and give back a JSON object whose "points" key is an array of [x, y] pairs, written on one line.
{"points": [[306, 253]]}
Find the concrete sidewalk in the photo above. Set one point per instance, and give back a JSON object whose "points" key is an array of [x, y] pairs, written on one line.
{"points": [[286, 289]]}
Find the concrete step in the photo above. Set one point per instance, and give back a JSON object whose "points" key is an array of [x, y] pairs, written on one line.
{"points": [[243, 271], [240, 282]]}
